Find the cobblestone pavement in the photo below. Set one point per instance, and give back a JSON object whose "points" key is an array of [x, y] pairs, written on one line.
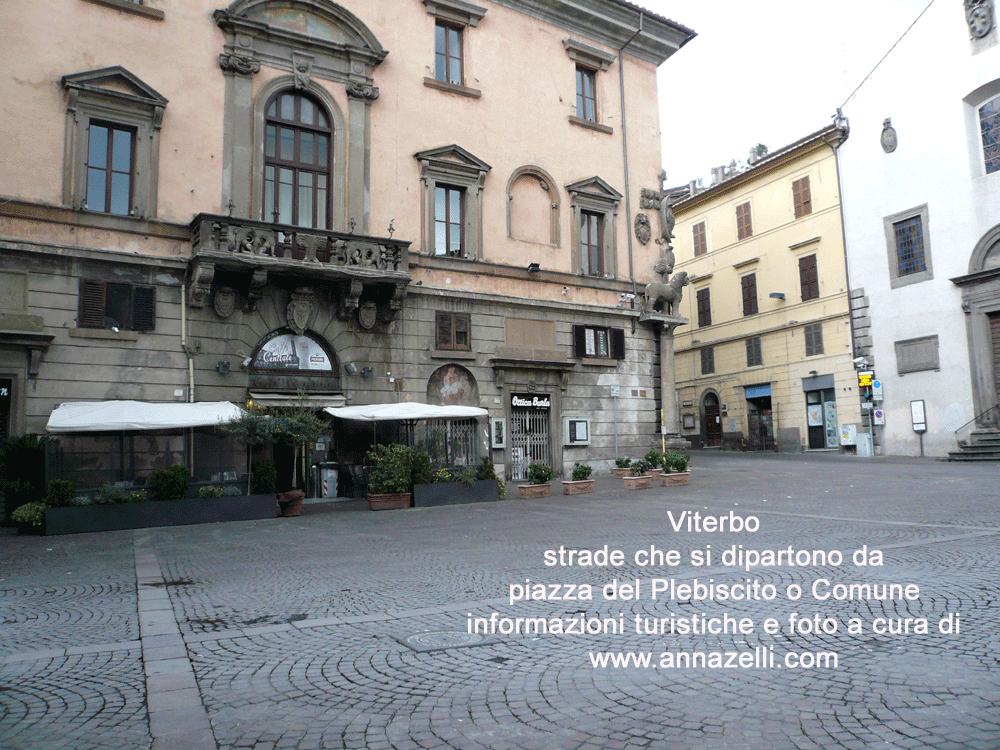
{"points": [[349, 629]]}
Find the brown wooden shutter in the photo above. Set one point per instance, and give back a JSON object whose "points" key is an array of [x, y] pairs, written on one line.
{"points": [[704, 307], [744, 225], [460, 331], [444, 331], [91, 304], [808, 277], [579, 341], [802, 197], [700, 240], [143, 308], [749, 285], [617, 336]]}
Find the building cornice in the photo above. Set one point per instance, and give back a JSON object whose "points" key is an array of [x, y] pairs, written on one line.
{"points": [[829, 137], [611, 23]]}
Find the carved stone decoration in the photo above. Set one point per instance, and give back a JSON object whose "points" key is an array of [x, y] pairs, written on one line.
{"points": [[667, 221], [257, 284], [888, 139], [665, 297], [251, 240], [498, 377], [979, 16], [643, 229], [358, 90], [650, 199], [390, 313], [301, 309], [368, 314], [224, 301], [238, 64], [301, 69], [200, 287]]}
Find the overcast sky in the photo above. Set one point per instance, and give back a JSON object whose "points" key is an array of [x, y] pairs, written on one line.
{"points": [[770, 71]]}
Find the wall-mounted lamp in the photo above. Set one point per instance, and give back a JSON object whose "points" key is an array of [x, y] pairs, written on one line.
{"points": [[366, 372], [777, 295], [223, 366], [814, 373], [534, 268], [350, 368]]}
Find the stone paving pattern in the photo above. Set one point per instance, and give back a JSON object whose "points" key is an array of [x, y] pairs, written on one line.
{"points": [[286, 633]]}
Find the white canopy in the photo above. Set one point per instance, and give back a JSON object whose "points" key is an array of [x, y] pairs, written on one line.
{"points": [[108, 416], [405, 410]]}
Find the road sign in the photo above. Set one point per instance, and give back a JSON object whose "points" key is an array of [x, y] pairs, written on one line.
{"points": [[865, 378], [879, 416], [877, 390]]}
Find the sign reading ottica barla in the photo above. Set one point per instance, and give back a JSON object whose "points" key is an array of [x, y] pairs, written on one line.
{"points": [[530, 401]]}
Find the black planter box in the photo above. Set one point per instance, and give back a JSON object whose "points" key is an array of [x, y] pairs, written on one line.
{"points": [[455, 493], [88, 518]]}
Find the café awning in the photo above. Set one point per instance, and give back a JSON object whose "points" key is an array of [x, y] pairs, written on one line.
{"points": [[117, 416], [405, 411]]}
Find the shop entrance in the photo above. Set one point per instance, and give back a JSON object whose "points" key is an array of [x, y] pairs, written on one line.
{"points": [[821, 418], [530, 440], [760, 418]]}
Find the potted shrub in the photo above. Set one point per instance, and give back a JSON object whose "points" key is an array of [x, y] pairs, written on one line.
{"points": [[655, 460], [581, 482], [677, 463], [30, 518], [170, 483], [390, 477], [457, 486], [639, 477], [539, 475], [622, 468]]}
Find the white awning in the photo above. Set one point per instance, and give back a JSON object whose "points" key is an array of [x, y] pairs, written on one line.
{"points": [[115, 416], [315, 400], [406, 410]]}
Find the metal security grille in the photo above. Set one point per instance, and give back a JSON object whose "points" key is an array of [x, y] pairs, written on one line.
{"points": [[453, 442], [761, 431], [910, 246], [529, 436]]}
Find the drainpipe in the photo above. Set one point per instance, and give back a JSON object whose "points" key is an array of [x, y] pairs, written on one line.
{"points": [[628, 192], [190, 369]]}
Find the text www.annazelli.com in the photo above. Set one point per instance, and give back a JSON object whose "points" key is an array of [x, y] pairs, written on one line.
{"points": [[761, 657]]}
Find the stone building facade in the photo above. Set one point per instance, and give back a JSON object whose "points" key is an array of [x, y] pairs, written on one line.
{"points": [[922, 209], [354, 202], [766, 363]]}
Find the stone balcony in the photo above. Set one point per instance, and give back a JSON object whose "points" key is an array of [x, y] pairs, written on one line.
{"points": [[259, 249]]}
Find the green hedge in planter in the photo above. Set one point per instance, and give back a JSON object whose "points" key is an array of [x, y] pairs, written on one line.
{"points": [[170, 483]]}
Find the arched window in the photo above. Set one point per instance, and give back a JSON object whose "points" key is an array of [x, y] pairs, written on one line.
{"points": [[297, 158]]}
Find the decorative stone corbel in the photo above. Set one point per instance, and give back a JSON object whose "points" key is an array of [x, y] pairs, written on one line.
{"points": [[390, 313], [257, 283], [498, 378], [359, 90], [200, 286], [234, 64], [350, 297], [34, 362]]}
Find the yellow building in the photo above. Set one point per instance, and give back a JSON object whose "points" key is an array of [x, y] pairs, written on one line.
{"points": [[766, 363]]}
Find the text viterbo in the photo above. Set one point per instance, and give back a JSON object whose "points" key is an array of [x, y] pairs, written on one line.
{"points": [[688, 521]]}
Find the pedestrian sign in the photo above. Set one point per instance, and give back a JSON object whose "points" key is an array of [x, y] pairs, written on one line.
{"points": [[876, 390]]}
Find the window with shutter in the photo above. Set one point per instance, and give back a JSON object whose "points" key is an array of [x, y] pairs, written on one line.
{"points": [[814, 339], [117, 306], [707, 360], [744, 225], [749, 286], [598, 342], [808, 278], [453, 331], [802, 197], [704, 307], [700, 239], [754, 356]]}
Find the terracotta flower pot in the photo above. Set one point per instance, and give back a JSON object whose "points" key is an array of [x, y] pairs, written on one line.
{"points": [[638, 483], [578, 488], [674, 478], [534, 490]]}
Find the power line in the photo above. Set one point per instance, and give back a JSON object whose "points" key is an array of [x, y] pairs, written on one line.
{"points": [[887, 54]]}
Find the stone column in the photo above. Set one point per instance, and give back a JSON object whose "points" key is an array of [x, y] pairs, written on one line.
{"points": [[668, 381], [361, 96]]}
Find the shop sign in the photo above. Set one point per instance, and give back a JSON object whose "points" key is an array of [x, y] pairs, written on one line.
{"points": [[530, 401], [291, 352]]}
